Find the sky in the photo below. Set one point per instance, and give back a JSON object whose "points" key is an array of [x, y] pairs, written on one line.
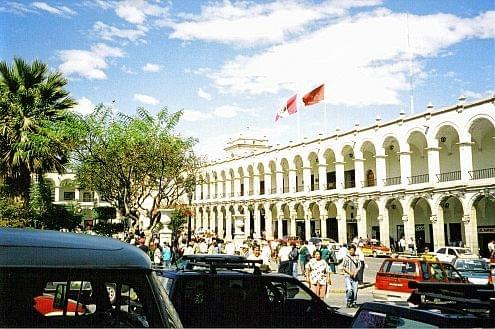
{"points": [[232, 65]]}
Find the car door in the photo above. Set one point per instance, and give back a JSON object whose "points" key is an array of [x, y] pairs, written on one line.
{"points": [[442, 255]]}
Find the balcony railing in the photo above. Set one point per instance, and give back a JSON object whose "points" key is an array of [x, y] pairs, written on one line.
{"points": [[215, 196], [300, 188], [250, 192], [482, 173], [315, 187], [285, 189], [368, 183], [392, 181], [331, 186], [449, 176], [349, 183], [232, 194], [418, 179], [274, 190]]}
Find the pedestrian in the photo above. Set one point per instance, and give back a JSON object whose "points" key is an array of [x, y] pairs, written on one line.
{"points": [[293, 258], [360, 254], [142, 246], [351, 266], [333, 259], [283, 258], [410, 245], [157, 254], [491, 248], [256, 255], [167, 254], [341, 253], [318, 274], [304, 256], [402, 244]]}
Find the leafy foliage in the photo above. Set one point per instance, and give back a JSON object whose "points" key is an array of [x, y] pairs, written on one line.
{"points": [[107, 228], [33, 107], [132, 159], [104, 213]]}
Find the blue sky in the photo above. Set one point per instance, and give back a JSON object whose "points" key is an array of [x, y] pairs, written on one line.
{"points": [[230, 65]]}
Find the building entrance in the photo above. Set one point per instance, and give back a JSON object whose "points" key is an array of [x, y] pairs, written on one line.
{"points": [[332, 229]]}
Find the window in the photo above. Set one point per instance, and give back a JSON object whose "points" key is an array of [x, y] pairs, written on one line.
{"points": [[69, 196], [441, 251], [88, 197], [451, 252]]}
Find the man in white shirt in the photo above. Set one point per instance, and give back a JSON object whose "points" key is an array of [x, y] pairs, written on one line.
{"points": [[256, 254], [230, 248], [283, 257]]}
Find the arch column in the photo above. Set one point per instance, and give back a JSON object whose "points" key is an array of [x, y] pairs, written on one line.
{"points": [[322, 177], [245, 183], [206, 219], [256, 183], [466, 156], [220, 222], [307, 221], [292, 180], [280, 182], [359, 172], [307, 179], [268, 222], [341, 221], [433, 163], [257, 222], [247, 223], [268, 183], [213, 219], [470, 223], [323, 225], [361, 218], [339, 176], [405, 167], [384, 223], [381, 169], [228, 187], [228, 229], [237, 186]]}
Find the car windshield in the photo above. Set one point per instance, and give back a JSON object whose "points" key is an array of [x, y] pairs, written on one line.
{"points": [[471, 265]]}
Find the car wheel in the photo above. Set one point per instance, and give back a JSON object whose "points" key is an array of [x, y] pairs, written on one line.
{"points": [[374, 254]]}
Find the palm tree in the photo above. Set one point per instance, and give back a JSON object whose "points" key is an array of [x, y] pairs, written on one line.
{"points": [[33, 106]]}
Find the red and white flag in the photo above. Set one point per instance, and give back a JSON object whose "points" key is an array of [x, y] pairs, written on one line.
{"points": [[288, 109], [314, 96]]}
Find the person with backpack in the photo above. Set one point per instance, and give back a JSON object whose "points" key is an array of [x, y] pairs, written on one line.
{"points": [[293, 258]]}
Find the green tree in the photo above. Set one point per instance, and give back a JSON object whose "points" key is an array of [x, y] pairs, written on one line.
{"points": [[135, 162], [33, 106]]}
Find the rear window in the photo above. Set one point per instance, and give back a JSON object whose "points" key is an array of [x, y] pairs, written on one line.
{"points": [[471, 265], [399, 267]]}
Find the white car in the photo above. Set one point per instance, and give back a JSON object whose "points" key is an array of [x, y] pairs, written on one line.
{"points": [[448, 254]]}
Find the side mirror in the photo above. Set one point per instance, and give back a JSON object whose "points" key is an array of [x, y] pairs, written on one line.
{"points": [[60, 292]]}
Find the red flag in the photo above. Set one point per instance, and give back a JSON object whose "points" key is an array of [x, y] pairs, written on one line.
{"points": [[314, 96], [288, 109]]}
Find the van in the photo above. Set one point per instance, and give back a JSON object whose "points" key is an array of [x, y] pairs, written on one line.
{"points": [[391, 282]]}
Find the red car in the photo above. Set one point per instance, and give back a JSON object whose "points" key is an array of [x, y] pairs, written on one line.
{"points": [[391, 282]]}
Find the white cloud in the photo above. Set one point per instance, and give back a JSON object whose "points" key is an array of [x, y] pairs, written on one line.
{"points": [[55, 10], [193, 116], [136, 11], [88, 64], [84, 106], [227, 111], [362, 59], [245, 23], [111, 33], [145, 99], [203, 94], [149, 67]]}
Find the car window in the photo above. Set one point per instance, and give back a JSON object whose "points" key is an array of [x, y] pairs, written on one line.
{"points": [[436, 272], [371, 319], [166, 283], [471, 265], [55, 298], [464, 252], [400, 267], [441, 251], [452, 252]]}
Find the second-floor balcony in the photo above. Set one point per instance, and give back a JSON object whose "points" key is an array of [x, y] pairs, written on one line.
{"points": [[418, 179], [368, 183], [273, 190], [331, 185], [482, 173], [300, 188], [350, 183], [449, 176], [392, 181], [315, 186]]}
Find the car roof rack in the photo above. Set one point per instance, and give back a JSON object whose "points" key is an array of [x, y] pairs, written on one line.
{"points": [[219, 261], [478, 299]]}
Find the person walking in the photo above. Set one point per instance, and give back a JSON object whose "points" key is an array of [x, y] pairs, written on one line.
{"points": [[283, 258], [360, 254], [304, 256], [402, 244], [318, 274], [332, 260], [293, 258], [167, 254], [351, 266]]}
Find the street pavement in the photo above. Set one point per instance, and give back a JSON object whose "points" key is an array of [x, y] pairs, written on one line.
{"points": [[336, 292]]}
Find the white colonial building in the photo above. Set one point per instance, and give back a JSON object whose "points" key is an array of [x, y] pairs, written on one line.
{"points": [[429, 176]]}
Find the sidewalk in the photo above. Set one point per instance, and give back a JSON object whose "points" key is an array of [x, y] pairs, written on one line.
{"points": [[338, 285]]}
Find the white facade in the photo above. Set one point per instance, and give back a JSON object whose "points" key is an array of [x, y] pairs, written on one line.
{"points": [[64, 191], [430, 176]]}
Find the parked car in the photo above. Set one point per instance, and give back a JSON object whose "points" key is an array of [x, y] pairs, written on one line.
{"points": [[391, 282], [329, 242], [55, 279], [375, 248], [475, 270], [227, 291], [447, 254]]}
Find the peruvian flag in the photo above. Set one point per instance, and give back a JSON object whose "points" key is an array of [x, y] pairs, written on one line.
{"points": [[288, 109], [314, 96]]}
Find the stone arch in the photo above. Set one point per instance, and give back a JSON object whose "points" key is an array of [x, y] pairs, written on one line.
{"points": [[313, 163], [482, 206], [298, 166], [482, 136], [368, 152], [395, 212], [391, 149], [419, 156], [273, 176], [423, 231], [453, 213], [350, 213], [372, 225], [447, 136], [331, 171], [332, 225], [284, 165], [348, 155]]}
